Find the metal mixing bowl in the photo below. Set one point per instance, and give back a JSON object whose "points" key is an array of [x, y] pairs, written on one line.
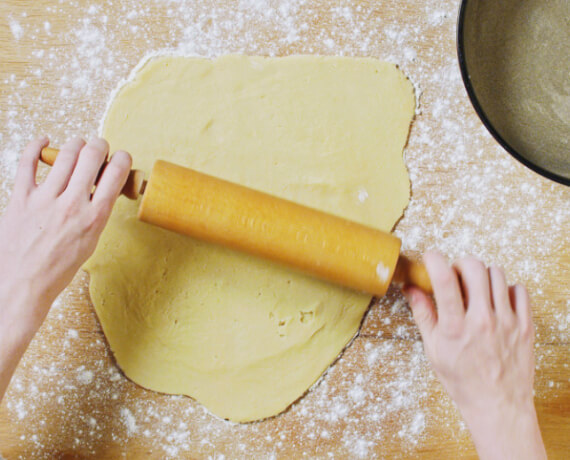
{"points": [[515, 62]]}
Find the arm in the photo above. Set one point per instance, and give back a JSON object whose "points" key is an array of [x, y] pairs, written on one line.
{"points": [[480, 343], [47, 232]]}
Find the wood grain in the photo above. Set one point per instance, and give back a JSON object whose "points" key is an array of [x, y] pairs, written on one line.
{"points": [[57, 356]]}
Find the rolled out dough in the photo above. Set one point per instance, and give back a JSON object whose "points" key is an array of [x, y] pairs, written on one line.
{"points": [[243, 336]]}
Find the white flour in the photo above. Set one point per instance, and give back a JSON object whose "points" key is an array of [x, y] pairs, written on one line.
{"points": [[378, 383]]}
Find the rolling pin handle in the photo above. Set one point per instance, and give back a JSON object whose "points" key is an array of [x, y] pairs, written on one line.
{"points": [[48, 155], [132, 189], [411, 273]]}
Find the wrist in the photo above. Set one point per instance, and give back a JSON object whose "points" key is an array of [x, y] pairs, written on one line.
{"points": [[18, 306], [507, 430], [18, 325]]}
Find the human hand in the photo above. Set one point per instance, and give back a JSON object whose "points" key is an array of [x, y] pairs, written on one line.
{"points": [[480, 344], [49, 230]]}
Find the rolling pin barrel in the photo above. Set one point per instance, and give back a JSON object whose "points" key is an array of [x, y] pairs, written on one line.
{"points": [[329, 247], [326, 246]]}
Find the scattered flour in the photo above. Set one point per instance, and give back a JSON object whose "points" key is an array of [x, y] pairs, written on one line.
{"points": [[16, 29], [362, 195], [85, 377], [129, 421], [72, 333]]}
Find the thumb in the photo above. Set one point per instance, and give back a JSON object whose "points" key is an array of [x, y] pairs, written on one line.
{"points": [[423, 310]]}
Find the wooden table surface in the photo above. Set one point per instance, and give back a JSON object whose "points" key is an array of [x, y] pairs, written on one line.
{"points": [[60, 61]]}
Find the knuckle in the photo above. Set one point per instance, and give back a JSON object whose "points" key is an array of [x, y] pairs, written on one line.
{"points": [[74, 145], [34, 146], [509, 324], [97, 146], [454, 333], [115, 174], [465, 263], [77, 140], [472, 263], [485, 322], [72, 206], [93, 151], [67, 151], [448, 277], [453, 326], [66, 155]]}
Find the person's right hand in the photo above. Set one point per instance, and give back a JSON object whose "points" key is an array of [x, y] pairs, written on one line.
{"points": [[480, 343]]}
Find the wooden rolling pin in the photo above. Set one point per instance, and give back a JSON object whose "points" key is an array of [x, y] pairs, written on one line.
{"points": [[218, 211]]}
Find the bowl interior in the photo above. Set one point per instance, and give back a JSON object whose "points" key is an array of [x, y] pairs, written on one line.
{"points": [[515, 61]]}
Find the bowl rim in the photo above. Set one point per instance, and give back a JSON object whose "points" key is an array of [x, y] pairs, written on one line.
{"points": [[481, 113]]}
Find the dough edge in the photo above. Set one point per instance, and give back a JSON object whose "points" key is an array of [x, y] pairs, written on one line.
{"points": [[213, 403]]}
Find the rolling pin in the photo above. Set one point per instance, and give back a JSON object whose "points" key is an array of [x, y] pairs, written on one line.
{"points": [[323, 245]]}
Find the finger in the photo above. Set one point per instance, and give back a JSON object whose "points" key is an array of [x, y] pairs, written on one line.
{"points": [[476, 286], [112, 181], [423, 310], [521, 304], [500, 295], [28, 165], [90, 160], [450, 309], [62, 169]]}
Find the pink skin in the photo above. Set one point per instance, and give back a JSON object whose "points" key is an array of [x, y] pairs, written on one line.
{"points": [[47, 232], [479, 341]]}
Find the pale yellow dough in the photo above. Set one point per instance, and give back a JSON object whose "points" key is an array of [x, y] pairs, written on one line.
{"points": [[243, 336]]}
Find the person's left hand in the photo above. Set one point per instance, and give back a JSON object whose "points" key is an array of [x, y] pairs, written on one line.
{"points": [[48, 230]]}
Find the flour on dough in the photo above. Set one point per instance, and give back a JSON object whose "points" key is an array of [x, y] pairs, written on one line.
{"points": [[243, 336]]}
